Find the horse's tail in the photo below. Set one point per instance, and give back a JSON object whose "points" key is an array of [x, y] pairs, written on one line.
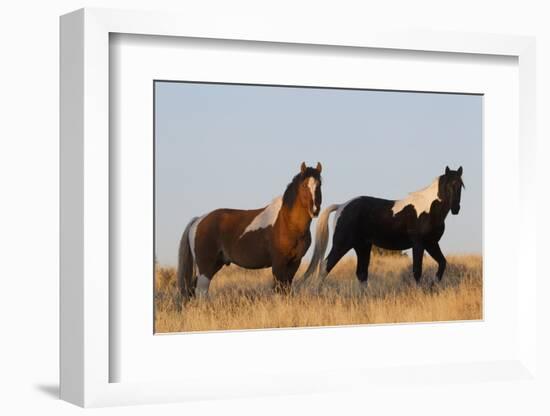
{"points": [[186, 264], [321, 241]]}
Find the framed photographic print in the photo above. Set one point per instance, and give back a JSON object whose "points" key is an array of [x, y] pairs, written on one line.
{"points": [[264, 212], [225, 268]]}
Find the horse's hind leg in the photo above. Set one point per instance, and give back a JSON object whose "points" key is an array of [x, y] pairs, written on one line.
{"points": [[363, 260], [435, 251], [203, 284], [335, 255], [206, 271], [342, 242]]}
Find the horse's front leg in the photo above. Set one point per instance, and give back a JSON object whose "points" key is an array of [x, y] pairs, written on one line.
{"points": [[435, 251], [284, 273], [418, 255], [282, 286]]}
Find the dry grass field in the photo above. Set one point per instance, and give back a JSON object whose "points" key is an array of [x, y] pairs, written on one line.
{"points": [[243, 299]]}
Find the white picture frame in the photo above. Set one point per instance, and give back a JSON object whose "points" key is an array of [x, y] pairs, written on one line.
{"points": [[85, 220]]}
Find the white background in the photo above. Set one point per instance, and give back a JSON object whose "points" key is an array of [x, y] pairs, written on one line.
{"points": [[29, 208]]}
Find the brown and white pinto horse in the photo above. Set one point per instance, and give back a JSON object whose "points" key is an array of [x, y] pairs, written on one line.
{"points": [[275, 236]]}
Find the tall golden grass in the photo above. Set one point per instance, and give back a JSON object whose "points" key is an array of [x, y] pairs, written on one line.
{"points": [[244, 299]]}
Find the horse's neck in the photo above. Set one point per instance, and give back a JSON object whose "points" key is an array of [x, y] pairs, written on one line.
{"points": [[296, 218], [443, 210]]}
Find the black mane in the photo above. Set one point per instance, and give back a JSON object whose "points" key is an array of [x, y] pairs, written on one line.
{"points": [[292, 189]]}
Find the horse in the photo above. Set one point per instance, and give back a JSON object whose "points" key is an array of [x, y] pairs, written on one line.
{"points": [[275, 236], [417, 222]]}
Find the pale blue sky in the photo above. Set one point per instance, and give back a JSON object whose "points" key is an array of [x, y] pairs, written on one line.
{"points": [[238, 146]]}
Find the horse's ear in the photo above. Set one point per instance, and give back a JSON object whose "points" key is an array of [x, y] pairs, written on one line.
{"points": [[447, 170], [459, 171], [303, 167], [319, 167]]}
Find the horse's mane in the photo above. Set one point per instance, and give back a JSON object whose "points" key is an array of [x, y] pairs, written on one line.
{"points": [[292, 188]]}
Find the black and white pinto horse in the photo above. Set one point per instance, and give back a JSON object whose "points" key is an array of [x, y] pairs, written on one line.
{"points": [[275, 236], [417, 222]]}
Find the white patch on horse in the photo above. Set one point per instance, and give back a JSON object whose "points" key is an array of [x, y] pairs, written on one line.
{"points": [[312, 185], [420, 200], [267, 217], [339, 212], [192, 235], [203, 283]]}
